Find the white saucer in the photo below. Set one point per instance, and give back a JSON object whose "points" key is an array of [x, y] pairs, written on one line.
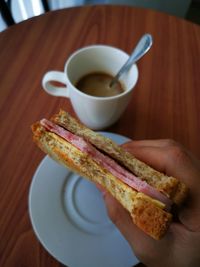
{"points": [[70, 220]]}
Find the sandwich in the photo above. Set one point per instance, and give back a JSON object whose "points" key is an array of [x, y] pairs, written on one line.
{"points": [[144, 192]]}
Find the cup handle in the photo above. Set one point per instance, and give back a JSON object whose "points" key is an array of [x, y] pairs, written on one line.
{"points": [[55, 76]]}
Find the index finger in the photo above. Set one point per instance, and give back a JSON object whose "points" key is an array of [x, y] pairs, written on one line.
{"points": [[168, 157]]}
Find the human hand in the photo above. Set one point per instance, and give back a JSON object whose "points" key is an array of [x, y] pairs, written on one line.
{"points": [[180, 247]]}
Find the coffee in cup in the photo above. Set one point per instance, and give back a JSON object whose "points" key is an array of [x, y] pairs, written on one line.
{"points": [[96, 110], [98, 84]]}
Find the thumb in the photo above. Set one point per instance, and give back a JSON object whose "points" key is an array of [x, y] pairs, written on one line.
{"points": [[138, 240], [141, 244], [120, 217]]}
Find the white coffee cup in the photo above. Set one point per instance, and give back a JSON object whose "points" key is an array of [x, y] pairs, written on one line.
{"points": [[95, 112]]}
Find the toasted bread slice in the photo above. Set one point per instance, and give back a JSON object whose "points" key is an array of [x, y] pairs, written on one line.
{"points": [[147, 213], [170, 186]]}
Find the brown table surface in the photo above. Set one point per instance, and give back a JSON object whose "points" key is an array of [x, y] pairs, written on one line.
{"points": [[165, 103]]}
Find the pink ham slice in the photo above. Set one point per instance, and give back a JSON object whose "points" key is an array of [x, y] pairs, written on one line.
{"points": [[108, 163]]}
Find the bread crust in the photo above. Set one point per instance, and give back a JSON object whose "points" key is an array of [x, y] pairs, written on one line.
{"points": [[170, 186], [147, 213], [149, 218]]}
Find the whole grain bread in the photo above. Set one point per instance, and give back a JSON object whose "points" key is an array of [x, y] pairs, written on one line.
{"points": [[170, 186], [147, 213]]}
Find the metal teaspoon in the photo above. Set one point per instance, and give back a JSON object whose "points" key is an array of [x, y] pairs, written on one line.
{"points": [[140, 50]]}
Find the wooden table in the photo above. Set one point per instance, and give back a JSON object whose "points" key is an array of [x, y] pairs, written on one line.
{"points": [[165, 103]]}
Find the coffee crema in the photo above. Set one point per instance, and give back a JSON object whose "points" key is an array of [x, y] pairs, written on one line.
{"points": [[98, 84]]}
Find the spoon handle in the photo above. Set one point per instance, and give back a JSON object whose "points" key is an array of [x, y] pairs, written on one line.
{"points": [[141, 48]]}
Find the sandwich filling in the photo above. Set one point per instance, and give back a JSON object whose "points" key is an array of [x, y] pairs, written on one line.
{"points": [[107, 163]]}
